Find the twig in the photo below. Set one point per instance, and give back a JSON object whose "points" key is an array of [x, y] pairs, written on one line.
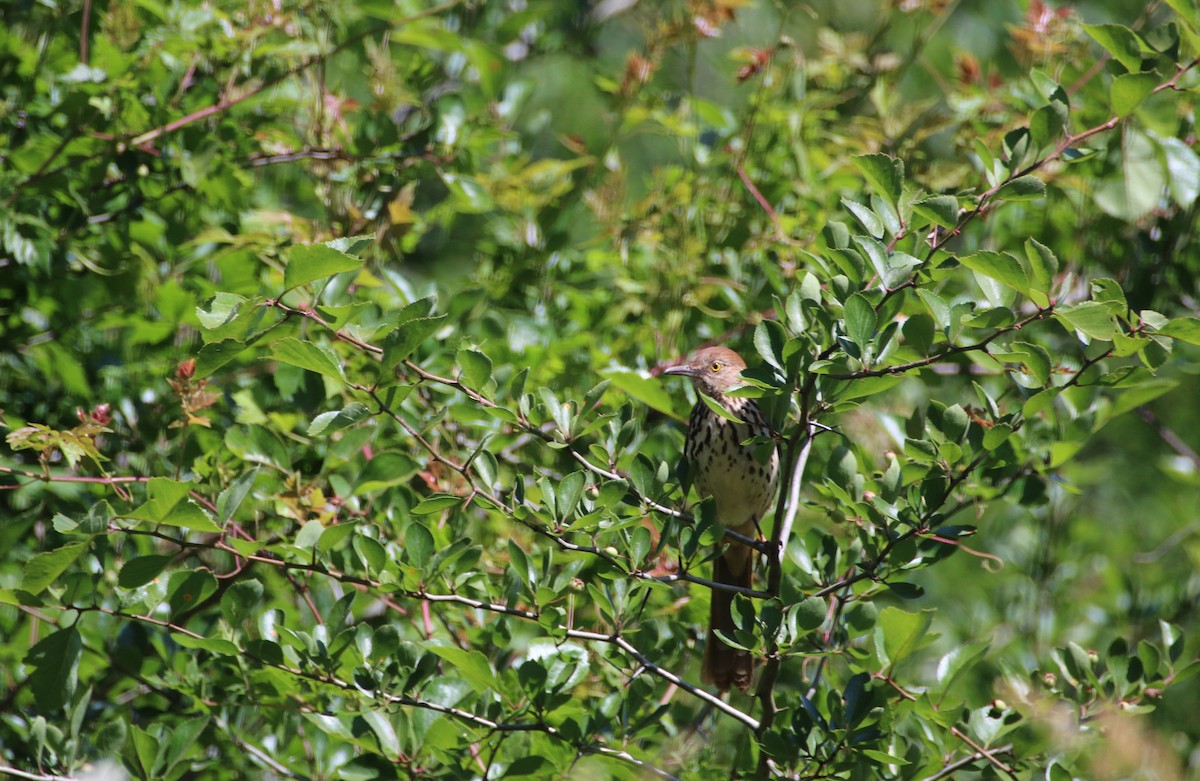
{"points": [[951, 768]]}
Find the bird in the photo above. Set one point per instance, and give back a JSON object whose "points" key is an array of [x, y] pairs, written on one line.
{"points": [[742, 485]]}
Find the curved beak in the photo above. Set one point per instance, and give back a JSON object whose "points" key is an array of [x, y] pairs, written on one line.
{"points": [[682, 370]]}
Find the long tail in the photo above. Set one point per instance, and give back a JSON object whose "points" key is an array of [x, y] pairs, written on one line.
{"points": [[723, 666]]}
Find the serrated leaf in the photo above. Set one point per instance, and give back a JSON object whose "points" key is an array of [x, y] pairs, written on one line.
{"points": [[309, 262], [1121, 42], [1023, 188], [1128, 90], [189, 588], [228, 316], [939, 209], [570, 490], [868, 218], [241, 599], [883, 758], [1043, 265], [898, 633], [44, 568], [168, 504], [476, 368], [436, 504], [1002, 267], [1183, 168], [336, 420], [404, 340], [213, 356], [471, 665], [644, 389], [885, 173], [307, 355], [1090, 318], [385, 733], [1185, 329], [213, 645], [811, 613], [56, 659], [860, 319], [234, 494], [136, 573], [418, 544]]}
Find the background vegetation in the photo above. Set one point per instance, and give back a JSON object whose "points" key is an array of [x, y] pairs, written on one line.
{"points": [[336, 445]]}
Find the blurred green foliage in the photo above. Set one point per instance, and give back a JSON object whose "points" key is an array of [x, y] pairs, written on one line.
{"points": [[337, 446]]}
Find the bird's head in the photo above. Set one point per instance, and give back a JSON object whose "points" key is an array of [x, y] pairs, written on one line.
{"points": [[714, 370]]}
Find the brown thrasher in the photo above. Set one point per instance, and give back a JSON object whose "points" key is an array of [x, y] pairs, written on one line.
{"points": [[742, 486]]}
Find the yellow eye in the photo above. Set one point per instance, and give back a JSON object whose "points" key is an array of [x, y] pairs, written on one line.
{"points": [[716, 366]]}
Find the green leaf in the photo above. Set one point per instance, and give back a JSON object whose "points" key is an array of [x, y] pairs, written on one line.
{"points": [[418, 544], [44, 568], [406, 338], [885, 173], [892, 268], [1129, 90], [241, 599], [868, 218], [899, 633], [56, 658], [883, 758], [436, 504], [1042, 266], [1183, 168], [1047, 123], [996, 436], [213, 645], [229, 316], [471, 665], [333, 536], [811, 613], [140, 571], [189, 588], [1090, 318], [1121, 42], [1185, 329], [336, 420], [476, 368], [1139, 189], [213, 356], [769, 339], [309, 262], [168, 504], [918, 333], [1002, 267], [568, 493], [308, 535], [234, 494], [1023, 188], [385, 733], [309, 356], [860, 319], [643, 389], [718, 409], [939, 209]]}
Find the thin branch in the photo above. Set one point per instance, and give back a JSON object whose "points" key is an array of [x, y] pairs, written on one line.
{"points": [[226, 103], [255, 751], [1063, 145], [970, 759], [956, 349], [701, 694], [628, 758], [990, 756], [12, 771]]}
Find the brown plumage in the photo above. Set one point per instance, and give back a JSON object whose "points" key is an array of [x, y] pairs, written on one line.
{"points": [[742, 487]]}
